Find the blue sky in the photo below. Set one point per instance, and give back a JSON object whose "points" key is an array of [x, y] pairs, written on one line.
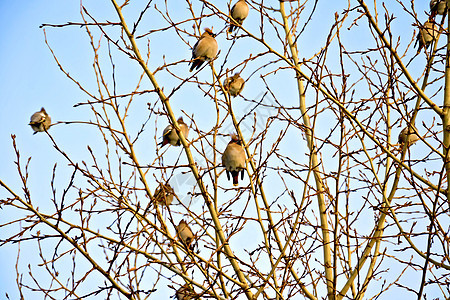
{"points": [[30, 79]]}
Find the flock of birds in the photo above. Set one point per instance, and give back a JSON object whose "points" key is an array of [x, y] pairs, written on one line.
{"points": [[428, 32], [233, 158]]}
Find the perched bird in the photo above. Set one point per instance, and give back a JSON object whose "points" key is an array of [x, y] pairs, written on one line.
{"points": [[170, 135], [185, 234], [427, 33], [234, 84], [185, 293], [437, 7], [239, 12], [164, 194], [233, 159], [407, 135], [205, 49], [40, 121]]}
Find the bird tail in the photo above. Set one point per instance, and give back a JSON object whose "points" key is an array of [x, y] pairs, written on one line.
{"points": [[433, 13], [191, 247], [163, 143], [196, 63], [235, 175]]}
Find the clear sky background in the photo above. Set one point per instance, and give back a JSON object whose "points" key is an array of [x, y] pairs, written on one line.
{"points": [[30, 79]]}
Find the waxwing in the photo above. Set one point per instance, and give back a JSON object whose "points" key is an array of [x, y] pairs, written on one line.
{"points": [[408, 135], [205, 49], [164, 194], [233, 159], [234, 84], [170, 135], [185, 234], [427, 33], [40, 121], [437, 7], [239, 12], [185, 293]]}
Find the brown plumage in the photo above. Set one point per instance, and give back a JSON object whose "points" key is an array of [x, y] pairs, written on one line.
{"points": [[407, 135], [233, 159], [205, 49], [185, 234], [234, 84], [185, 293], [437, 7], [170, 135], [239, 12], [164, 194], [40, 121], [427, 33]]}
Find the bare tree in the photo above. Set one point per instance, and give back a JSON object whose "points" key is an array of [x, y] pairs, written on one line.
{"points": [[333, 203]]}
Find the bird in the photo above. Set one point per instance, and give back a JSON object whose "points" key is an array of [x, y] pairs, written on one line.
{"points": [[234, 84], [437, 7], [408, 135], [239, 12], [233, 159], [427, 33], [185, 234], [205, 49], [40, 121], [185, 293], [164, 194], [170, 135]]}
